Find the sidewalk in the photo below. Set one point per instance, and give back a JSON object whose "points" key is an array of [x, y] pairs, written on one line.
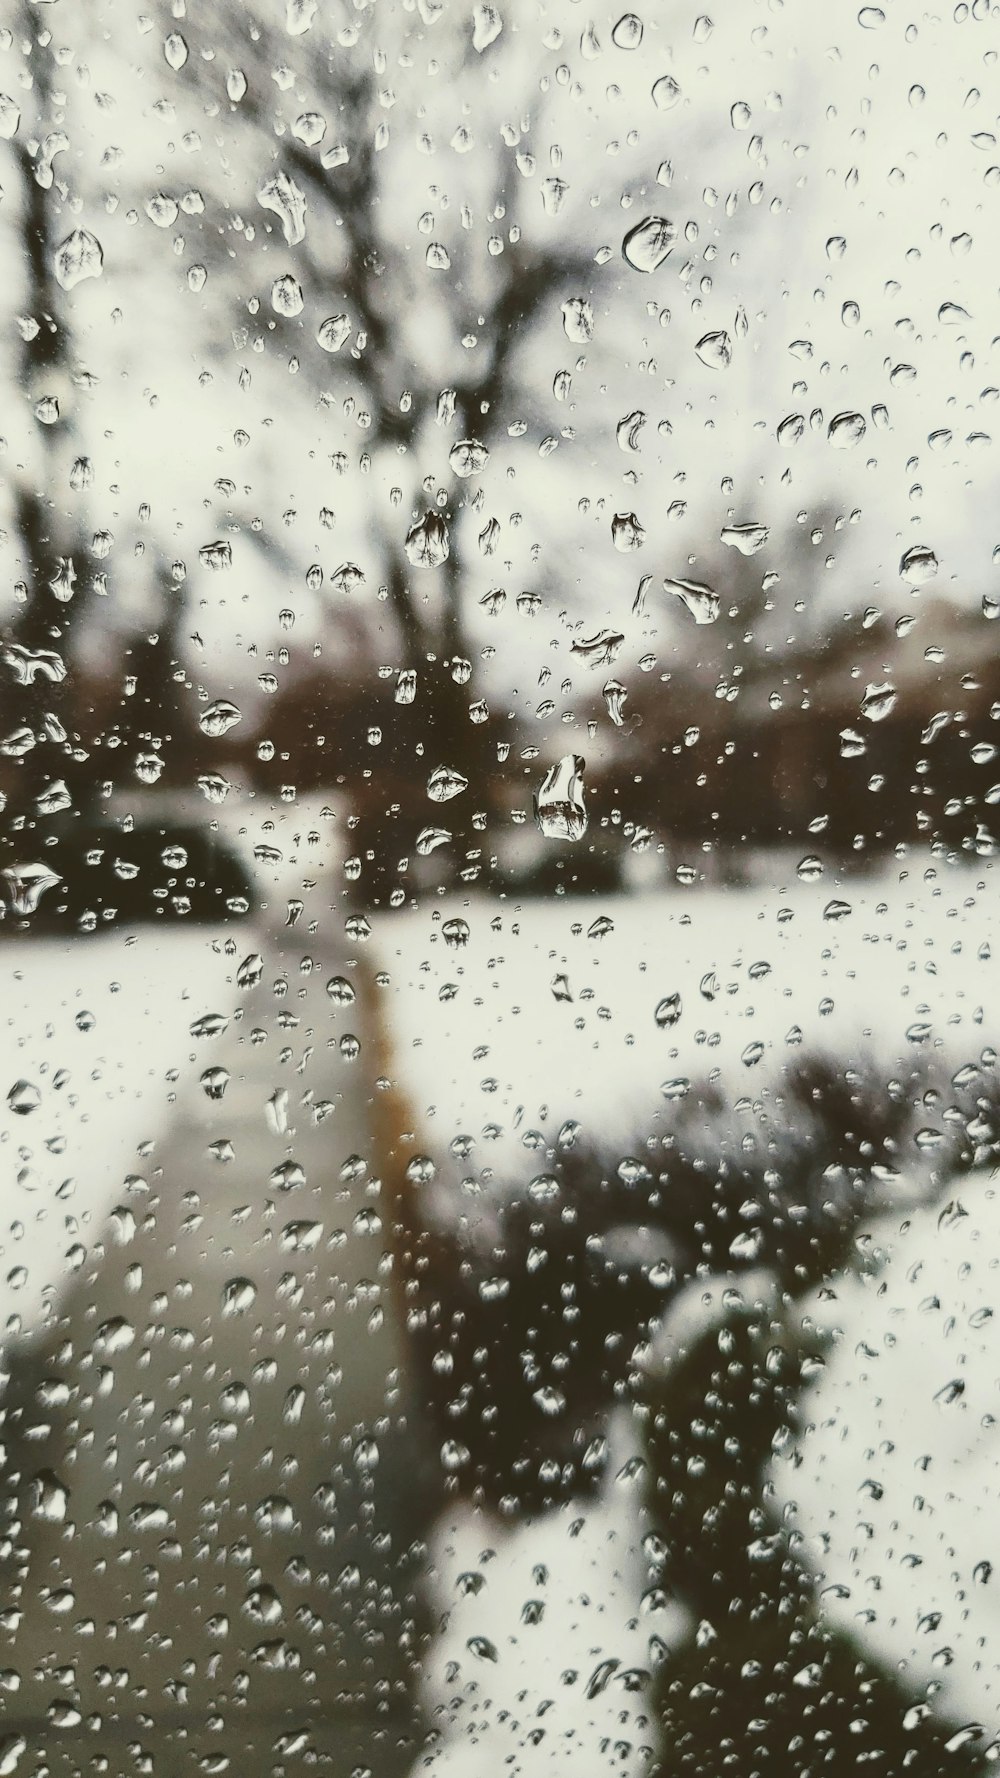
{"points": [[222, 1476]]}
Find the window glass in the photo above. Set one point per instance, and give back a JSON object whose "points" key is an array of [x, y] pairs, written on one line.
{"points": [[498, 782]]}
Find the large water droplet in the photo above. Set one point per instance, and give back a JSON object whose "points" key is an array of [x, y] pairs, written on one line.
{"points": [[601, 1676], [600, 649], [332, 332], [487, 25], [238, 1296], [366, 1454], [627, 33], [666, 93], [845, 431], [26, 884], [628, 430], [12, 1747], [293, 1405], [347, 578], [175, 51], [430, 838], [553, 195], [79, 256], [550, 1400], [274, 1513], [23, 1097], [219, 717], [615, 695], [748, 538], [49, 1497], [454, 1456], [10, 117], [668, 1011], [791, 429], [878, 702], [918, 565], [482, 1648], [715, 350], [286, 296], [299, 15], [162, 209], [29, 664], [468, 457], [427, 542], [114, 1336], [444, 783], [677, 1089], [282, 197], [702, 603], [578, 320], [301, 1237], [626, 532], [54, 798], [214, 787], [250, 970], [646, 246], [287, 1176], [560, 809], [217, 555], [148, 767]]}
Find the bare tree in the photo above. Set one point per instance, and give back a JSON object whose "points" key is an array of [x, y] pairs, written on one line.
{"points": [[397, 343], [47, 772]]}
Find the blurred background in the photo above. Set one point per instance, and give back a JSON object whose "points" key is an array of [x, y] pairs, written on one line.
{"points": [[498, 769]]}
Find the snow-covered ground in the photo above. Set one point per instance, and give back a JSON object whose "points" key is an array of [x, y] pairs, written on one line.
{"points": [[97, 1059], [542, 1013], [893, 1482], [896, 1480], [544, 1654], [892, 1488], [510, 1017]]}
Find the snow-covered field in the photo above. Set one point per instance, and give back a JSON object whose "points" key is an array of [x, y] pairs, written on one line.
{"points": [[607, 1011]]}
